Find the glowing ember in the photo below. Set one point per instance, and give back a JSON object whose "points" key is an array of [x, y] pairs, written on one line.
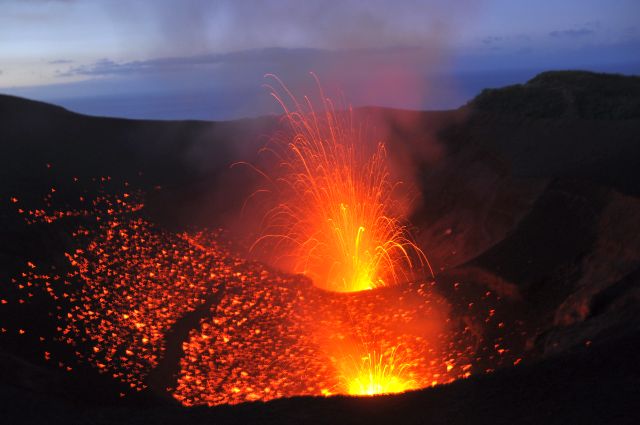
{"points": [[336, 218]]}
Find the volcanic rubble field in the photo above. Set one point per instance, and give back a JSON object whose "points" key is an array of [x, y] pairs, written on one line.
{"points": [[127, 296]]}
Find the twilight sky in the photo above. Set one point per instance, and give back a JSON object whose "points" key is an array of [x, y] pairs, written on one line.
{"points": [[206, 59]]}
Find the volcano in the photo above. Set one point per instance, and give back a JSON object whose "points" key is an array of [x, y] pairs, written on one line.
{"points": [[132, 292]]}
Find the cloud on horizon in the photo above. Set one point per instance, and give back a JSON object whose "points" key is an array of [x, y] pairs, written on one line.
{"points": [[60, 62], [572, 32]]}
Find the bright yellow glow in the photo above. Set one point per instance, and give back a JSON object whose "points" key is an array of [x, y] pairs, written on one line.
{"points": [[376, 373]]}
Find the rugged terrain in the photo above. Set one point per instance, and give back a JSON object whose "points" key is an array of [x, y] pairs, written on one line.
{"points": [[529, 191]]}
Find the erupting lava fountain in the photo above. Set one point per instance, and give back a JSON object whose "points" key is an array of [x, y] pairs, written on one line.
{"points": [[336, 219]]}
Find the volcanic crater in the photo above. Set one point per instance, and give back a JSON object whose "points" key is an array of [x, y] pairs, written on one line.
{"points": [[131, 285]]}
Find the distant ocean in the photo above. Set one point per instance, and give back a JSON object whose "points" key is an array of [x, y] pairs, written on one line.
{"points": [[212, 105], [235, 103]]}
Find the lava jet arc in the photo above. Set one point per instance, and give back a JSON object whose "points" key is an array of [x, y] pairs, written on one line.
{"points": [[335, 218]]}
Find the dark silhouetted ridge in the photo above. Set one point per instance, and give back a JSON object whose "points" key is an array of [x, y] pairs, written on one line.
{"points": [[582, 94]]}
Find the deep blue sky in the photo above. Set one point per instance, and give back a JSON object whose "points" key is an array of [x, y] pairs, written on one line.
{"points": [[206, 59]]}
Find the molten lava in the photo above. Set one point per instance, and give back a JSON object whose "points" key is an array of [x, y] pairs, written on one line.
{"points": [[336, 219]]}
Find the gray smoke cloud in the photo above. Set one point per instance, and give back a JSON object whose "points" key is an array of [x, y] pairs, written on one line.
{"points": [[374, 52], [196, 26]]}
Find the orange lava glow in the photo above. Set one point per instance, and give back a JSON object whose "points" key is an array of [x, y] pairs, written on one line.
{"points": [[277, 336], [269, 335], [126, 284], [336, 219]]}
